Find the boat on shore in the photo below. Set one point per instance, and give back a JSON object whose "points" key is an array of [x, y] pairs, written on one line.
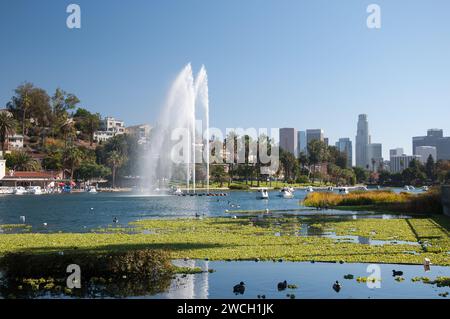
{"points": [[19, 190], [34, 190]]}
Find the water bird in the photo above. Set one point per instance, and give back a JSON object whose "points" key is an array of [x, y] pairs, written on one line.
{"points": [[397, 273], [45, 224], [282, 285], [239, 289], [22, 219], [115, 220], [337, 286], [234, 217]]}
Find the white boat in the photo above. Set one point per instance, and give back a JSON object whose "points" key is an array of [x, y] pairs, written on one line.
{"points": [[19, 190], [91, 189], [286, 192], [34, 190], [343, 191], [309, 189], [263, 194]]}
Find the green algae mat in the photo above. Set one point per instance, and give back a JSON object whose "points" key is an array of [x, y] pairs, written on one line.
{"points": [[251, 238]]}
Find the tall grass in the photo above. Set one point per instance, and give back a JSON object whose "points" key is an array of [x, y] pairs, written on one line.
{"points": [[429, 202]]}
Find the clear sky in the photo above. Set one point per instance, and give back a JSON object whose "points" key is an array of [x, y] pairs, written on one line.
{"points": [[302, 64]]}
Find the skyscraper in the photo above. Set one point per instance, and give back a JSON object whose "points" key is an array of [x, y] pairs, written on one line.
{"points": [[301, 142], [288, 140], [362, 141], [425, 152], [396, 152], [375, 156], [314, 134], [344, 145], [435, 137]]}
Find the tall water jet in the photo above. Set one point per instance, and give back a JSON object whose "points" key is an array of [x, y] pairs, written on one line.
{"points": [[178, 117], [202, 101]]}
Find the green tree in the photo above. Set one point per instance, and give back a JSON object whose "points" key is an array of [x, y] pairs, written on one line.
{"points": [[318, 153], [31, 105], [115, 160], [54, 159], [430, 168], [361, 174], [91, 170], [7, 128], [21, 161], [218, 174], [72, 158], [289, 165], [88, 123]]}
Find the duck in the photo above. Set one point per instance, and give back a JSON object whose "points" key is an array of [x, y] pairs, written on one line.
{"points": [[115, 220], [282, 285], [397, 273], [239, 288], [337, 286]]}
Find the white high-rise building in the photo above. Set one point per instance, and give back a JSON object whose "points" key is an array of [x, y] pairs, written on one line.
{"points": [[425, 152], [399, 163], [362, 141]]}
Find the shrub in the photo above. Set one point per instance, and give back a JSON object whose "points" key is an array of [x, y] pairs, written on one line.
{"points": [[239, 187]]}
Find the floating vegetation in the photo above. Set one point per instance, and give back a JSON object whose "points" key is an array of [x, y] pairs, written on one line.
{"points": [[188, 270], [366, 279], [399, 279], [292, 286], [349, 277], [243, 239]]}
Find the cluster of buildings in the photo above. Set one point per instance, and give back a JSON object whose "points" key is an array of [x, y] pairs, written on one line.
{"points": [[110, 127], [369, 155]]}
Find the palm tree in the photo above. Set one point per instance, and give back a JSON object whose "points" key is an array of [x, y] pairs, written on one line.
{"points": [[72, 159], [7, 128], [115, 160], [22, 161]]}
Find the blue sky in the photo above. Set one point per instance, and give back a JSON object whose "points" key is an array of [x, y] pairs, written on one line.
{"points": [[303, 64]]}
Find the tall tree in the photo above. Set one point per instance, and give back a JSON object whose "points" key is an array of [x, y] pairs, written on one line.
{"points": [[318, 153], [430, 168], [73, 157], [31, 105], [115, 160], [7, 128]]}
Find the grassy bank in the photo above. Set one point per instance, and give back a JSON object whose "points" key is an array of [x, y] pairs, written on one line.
{"points": [[244, 239], [424, 203]]}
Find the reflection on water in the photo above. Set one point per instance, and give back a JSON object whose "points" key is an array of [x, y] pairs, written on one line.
{"points": [[84, 212], [313, 281]]}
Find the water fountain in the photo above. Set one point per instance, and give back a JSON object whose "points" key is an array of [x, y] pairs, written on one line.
{"points": [[186, 96]]}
